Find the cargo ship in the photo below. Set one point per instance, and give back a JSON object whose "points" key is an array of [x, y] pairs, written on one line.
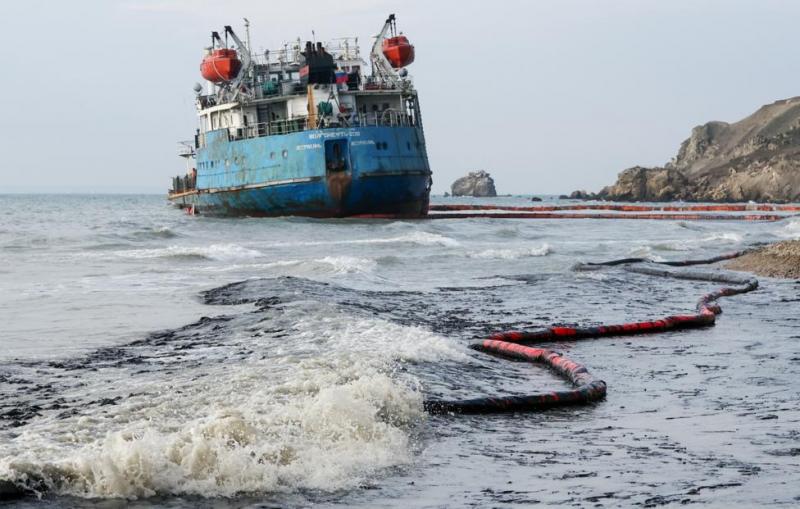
{"points": [[306, 131]]}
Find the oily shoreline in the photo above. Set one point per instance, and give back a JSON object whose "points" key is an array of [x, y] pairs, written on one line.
{"points": [[780, 260]]}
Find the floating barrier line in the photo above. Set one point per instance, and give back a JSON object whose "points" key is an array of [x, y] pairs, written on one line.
{"points": [[568, 215], [656, 212], [587, 389], [727, 207]]}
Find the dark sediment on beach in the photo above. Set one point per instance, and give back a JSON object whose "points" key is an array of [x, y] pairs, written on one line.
{"points": [[781, 260]]}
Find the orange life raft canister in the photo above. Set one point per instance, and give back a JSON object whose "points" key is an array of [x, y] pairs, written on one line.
{"points": [[398, 51], [221, 65]]}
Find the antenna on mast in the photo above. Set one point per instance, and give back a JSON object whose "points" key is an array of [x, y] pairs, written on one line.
{"points": [[247, 36]]}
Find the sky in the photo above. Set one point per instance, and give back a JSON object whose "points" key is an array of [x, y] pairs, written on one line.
{"points": [[548, 96]]}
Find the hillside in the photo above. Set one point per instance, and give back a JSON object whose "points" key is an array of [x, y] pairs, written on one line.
{"points": [[756, 158]]}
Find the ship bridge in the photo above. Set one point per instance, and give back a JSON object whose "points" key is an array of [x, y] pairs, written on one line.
{"points": [[307, 86]]}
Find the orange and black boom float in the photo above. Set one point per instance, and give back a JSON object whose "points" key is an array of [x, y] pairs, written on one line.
{"points": [[586, 388]]}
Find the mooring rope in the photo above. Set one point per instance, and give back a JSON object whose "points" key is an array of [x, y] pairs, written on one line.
{"points": [[587, 389]]}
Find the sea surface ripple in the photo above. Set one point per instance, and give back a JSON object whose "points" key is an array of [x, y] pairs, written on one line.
{"points": [[150, 358]]}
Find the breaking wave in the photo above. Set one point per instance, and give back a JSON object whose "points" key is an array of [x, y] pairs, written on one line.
{"points": [[420, 238], [790, 230], [327, 411], [328, 265], [691, 244], [512, 254], [155, 232], [221, 252]]}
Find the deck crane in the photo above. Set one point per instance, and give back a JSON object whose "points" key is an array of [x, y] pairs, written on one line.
{"points": [[244, 55], [381, 67]]}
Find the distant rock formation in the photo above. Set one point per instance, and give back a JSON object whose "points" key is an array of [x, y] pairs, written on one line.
{"points": [[580, 195], [476, 183], [757, 158]]}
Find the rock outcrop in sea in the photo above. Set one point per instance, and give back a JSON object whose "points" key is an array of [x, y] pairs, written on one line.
{"points": [[757, 158], [476, 183]]}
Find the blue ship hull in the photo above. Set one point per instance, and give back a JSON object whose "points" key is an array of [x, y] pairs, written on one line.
{"points": [[335, 172]]}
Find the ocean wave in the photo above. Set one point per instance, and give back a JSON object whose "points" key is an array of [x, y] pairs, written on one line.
{"points": [[645, 251], [507, 232], [326, 411], [693, 243], [228, 443], [328, 265], [790, 230], [347, 264], [418, 238], [723, 237], [220, 252], [155, 232], [512, 254]]}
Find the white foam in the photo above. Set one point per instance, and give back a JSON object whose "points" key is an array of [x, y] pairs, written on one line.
{"points": [[790, 230], [692, 243], [348, 264], [328, 265], [418, 237], [645, 251], [723, 237], [512, 254], [324, 409], [221, 252]]}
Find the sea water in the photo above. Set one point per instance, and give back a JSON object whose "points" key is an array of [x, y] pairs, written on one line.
{"points": [[151, 358]]}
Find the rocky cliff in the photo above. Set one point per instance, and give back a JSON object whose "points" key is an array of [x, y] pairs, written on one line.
{"points": [[757, 158], [476, 183]]}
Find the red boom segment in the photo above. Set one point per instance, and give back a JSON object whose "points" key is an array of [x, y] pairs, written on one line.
{"points": [[586, 388]]}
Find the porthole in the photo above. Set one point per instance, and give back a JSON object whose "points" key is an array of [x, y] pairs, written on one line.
{"points": [[408, 146], [285, 153], [272, 155]]}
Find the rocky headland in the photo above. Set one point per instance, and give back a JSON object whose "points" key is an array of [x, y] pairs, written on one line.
{"points": [[756, 158], [476, 183]]}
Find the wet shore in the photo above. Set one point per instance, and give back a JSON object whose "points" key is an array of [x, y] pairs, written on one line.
{"points": [[780, 260]]}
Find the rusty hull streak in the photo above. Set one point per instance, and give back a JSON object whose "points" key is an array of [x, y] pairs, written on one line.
{"points": [[338, 183]]}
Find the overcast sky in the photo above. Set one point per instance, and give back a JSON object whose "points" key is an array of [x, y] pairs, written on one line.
{"points": [[549, 96]]}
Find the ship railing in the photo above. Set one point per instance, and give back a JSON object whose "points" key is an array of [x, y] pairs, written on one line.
{"points": [[386, 118], [346, 48], [183, 183], [186, 148], [293, 125]]}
